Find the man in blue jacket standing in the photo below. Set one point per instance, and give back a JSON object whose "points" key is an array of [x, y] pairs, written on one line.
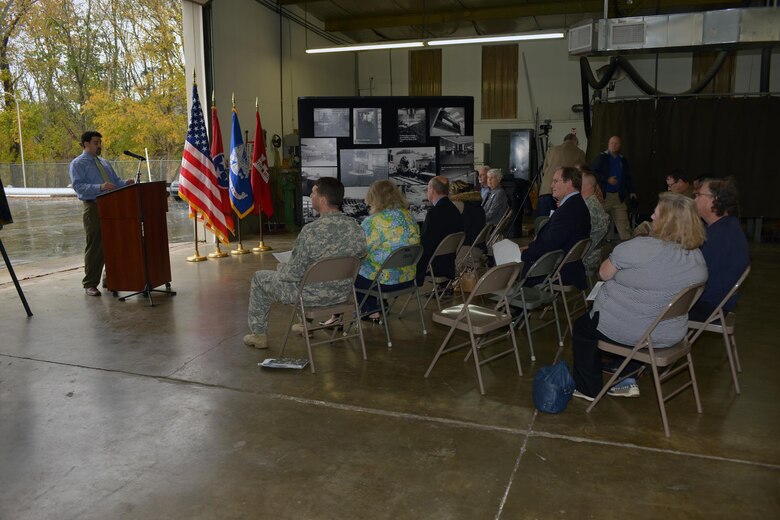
{"points": [[611, 169]]}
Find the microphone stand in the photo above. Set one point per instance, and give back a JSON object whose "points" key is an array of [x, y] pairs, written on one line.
{"points": [[138, 172]]}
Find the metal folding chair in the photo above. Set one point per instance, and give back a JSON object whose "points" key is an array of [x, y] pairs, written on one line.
{"points": [[465, 257], [340, 268], [498, 231], [539, 223], [724, 324], [404, 256], [480, 321], [575, 254], [541, 296], [448, 246], [645, 352]]}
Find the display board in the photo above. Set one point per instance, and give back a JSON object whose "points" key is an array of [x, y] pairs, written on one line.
{"points": [[360, 140]]}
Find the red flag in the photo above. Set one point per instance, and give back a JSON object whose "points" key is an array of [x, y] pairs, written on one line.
{"points": [[198, 184], [261, 175], [218, 156]]}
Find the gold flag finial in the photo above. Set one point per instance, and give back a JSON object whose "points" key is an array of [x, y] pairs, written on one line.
{"points": [[213, 101], [233, 100], [257, 103], [194, 80]]}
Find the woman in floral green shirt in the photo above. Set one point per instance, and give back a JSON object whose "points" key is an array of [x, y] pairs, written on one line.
{"points": [[388, 227]]}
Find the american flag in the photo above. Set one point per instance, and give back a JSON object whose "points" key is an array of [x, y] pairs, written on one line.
{"points": [[199, 185]]}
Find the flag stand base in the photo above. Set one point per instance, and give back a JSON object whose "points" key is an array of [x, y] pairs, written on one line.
{"points": [[218, 253], [197, 257], [240, 250], [261, 247]]}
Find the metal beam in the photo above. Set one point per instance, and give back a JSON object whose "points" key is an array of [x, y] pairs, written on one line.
{"points": [[537, 8]]}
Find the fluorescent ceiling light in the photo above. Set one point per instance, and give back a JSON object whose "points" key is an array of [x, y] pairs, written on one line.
{"points": [[366, 47], [489, 39]]}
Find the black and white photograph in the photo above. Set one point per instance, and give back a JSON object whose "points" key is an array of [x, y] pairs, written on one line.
{"points": [[331, 122], [448, 121], [319, 152], [412, 165], [411, 169], [355, 202], [362, 167], [456, 156], [310, 174], [411, 125], [368, 125], [520, 154]]}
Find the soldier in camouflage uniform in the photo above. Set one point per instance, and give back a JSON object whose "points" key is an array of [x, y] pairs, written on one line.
{"points": [[333, 234], [599, 222]]}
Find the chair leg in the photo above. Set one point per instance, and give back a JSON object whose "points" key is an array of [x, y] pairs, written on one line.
{"points": [[730, 355], [514, 345], [557, 323], [694, 383], [660, 396], [528, 332], [384, 321], [287, 332], [441, 349], [308, 341], [438, 298], [360, 331], [476, 362], [401, 313], [736, 354], [568, 316], [420, 308]]}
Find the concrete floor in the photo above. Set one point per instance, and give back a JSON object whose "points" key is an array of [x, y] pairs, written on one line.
{"points": [[120, 410]]}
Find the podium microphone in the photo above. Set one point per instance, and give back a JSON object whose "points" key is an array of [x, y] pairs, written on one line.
{"points": [[134, 155]]}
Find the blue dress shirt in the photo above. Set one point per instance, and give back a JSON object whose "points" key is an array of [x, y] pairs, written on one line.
{"points": [[86, 179]]}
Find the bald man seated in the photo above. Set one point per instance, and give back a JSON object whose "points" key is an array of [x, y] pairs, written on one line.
{"points": [[441, 220]]}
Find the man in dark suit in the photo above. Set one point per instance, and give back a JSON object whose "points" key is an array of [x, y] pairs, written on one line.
{"points": [[442, 219], [569, 224]]}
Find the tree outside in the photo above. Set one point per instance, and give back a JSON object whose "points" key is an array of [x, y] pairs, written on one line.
{"points": [[74, 65]]}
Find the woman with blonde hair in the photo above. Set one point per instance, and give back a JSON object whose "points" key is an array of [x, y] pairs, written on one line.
{"points": [[641, 276], [388, 227]]}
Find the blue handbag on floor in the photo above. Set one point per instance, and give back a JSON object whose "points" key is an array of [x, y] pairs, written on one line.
{"points": [[553, 388]]}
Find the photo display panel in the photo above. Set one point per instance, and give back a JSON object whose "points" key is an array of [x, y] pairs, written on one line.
{"points": [[408, 140]]}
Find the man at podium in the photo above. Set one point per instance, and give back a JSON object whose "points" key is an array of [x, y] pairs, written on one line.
{"points": [[90, 176]]}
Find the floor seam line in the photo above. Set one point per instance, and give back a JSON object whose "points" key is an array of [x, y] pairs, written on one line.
{"points": [[667, 451], [516, 466], [416, 417]]}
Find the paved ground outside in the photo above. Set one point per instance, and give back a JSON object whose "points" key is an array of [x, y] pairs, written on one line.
{"points": [[51, 228]]}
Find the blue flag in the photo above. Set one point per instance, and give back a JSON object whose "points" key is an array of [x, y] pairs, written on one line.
{"points": [[240, 183]]}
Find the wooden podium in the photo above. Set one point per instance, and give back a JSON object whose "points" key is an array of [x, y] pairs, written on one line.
{"points": [[135, 239]]}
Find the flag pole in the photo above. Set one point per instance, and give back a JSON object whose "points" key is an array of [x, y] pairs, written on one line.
{"points": [[240, 250], [217, 253], [197, 257], [261, 247]]}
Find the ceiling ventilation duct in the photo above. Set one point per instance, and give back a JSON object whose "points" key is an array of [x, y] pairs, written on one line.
{"points": [[736, 28]]}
